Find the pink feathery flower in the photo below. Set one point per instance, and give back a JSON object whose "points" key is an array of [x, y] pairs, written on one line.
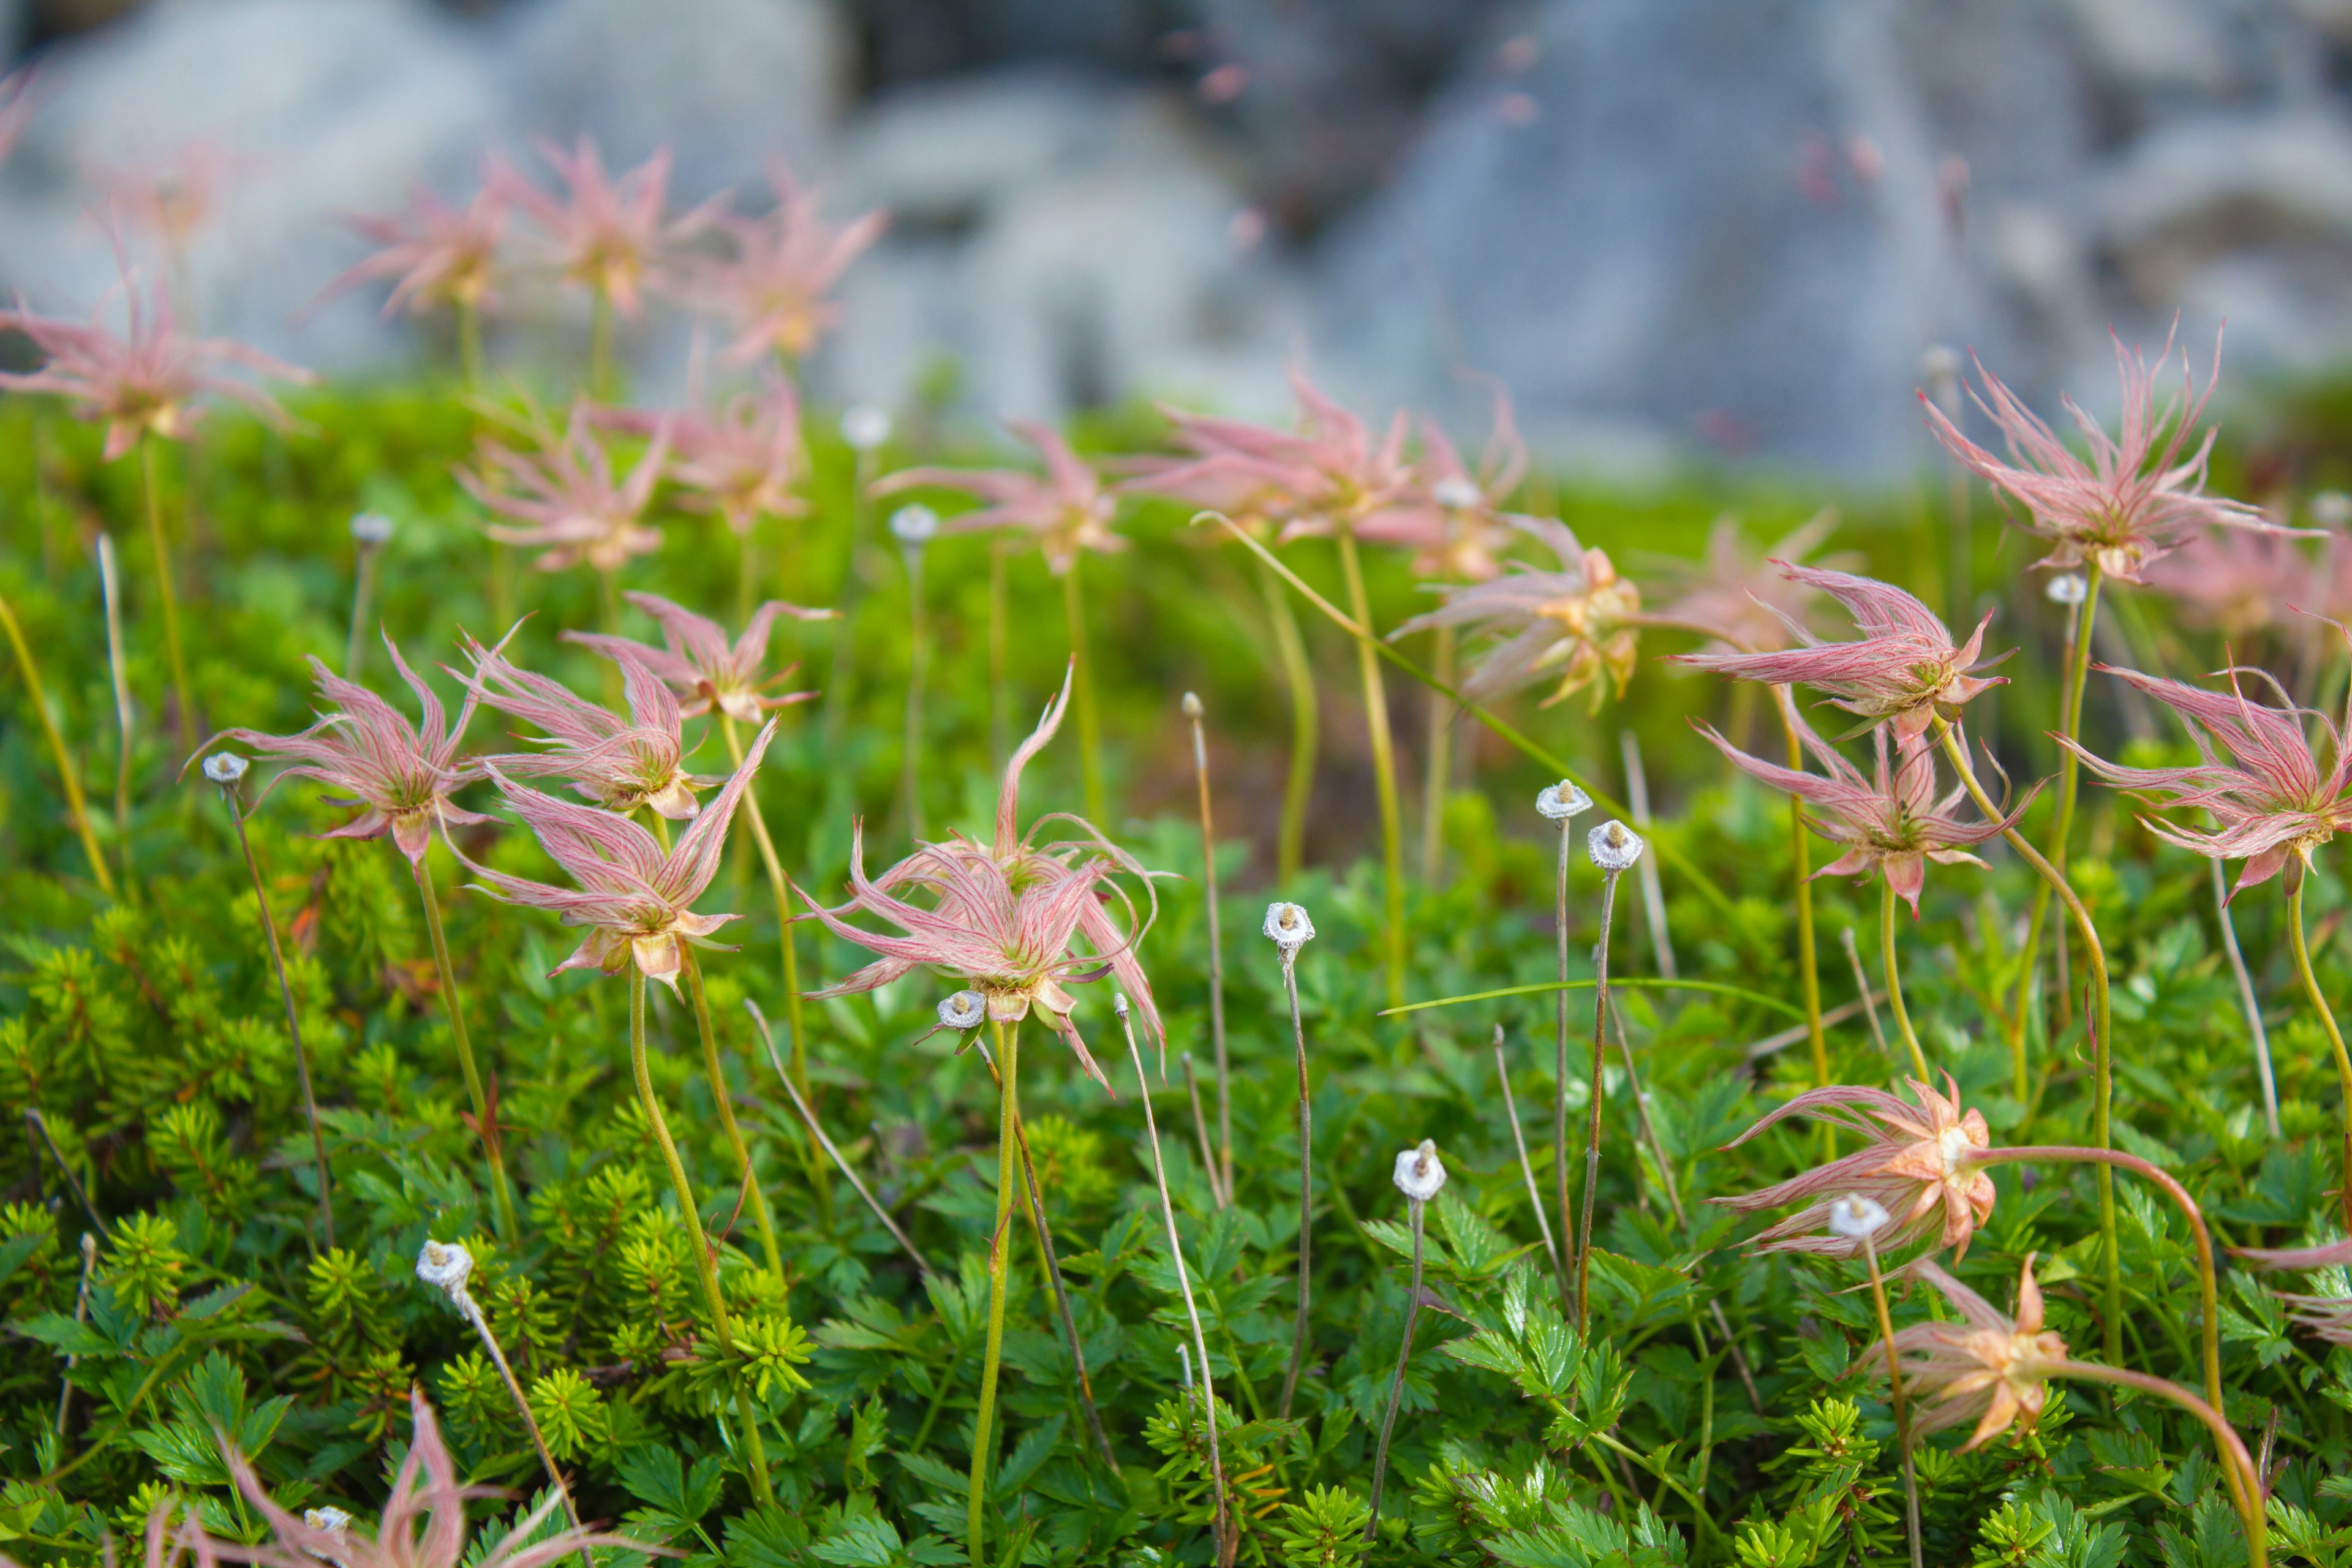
{"points": [[607, 234], [1988, 1368], [1918, 1167], [2239, 583], [1579, 621], [1004, 917], [440, 256], [2135, 499], [1327, 474], [619, 765], [1891, 823], [2271, 798], [740, 461], [636, 901], [399, 774], [774, 288], [173, 197], [1738, 594], [566, 495], [2328, 1317], [1904, 670], [1066, 511], [700, 665], [150, 380], [1450, 517]]}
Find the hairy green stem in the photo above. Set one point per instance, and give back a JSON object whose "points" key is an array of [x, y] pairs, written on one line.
{"points": [[1895, 1397], [1082, 664], [1299, 679], [600, 346], [117, 664], [293, 1022], [75, 805], [2295, 878], [1439, 772], [484, 1122], [1376, 724], [1593, 1100], [362, 598], [1560, 1064], [2080, 621], [1801, 863], [2228, 1445], [998, 690], [1224, 1165], [167, 598], [1895, 979], [1396, 1382], [1008, 1112], [1526, 1170], [1306, 1188], [724, 1099], [910, 762]]}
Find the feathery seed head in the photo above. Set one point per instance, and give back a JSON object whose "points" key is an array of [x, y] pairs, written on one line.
{"points": [[565, 494], [1191, 705], [438, 255], [1738, 594], [226, 768], [620, 764], [774, 289], [1613, 846], [700, 665], [963, 1011], [1988, 1367], [1420, 1174], [607, 234], [1578, 622], [1562, 801], [1066, 510], [1288, 927], [446, 1266], [1856, 1218], [2067, 588]]}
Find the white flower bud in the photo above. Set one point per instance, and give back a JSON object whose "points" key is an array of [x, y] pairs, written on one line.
{"points": [[1456, 491], [964, 1010], [865, 426], [1940, 363], [1288, 927], [1561, 802], [913, 526], [225, 768], [1857, 1218], [1118, 1004], [1191, 705], [370, 529], [1420, 1174], [2067, 588], [333, 1521], [1613, 846], [446, 1266], [2331, 508]]}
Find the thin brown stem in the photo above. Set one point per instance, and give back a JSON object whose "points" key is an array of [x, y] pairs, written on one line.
{"points": [[473, 1314], [1560, 1064], [1895, 1397], [817, 1131], [1200, 1131], [453, 1008], [723, 1100], [1306, 1188], [2247, 1000], [1594, 1100], [293, 1020], [910, 782], [1224, 1160], [2295, 881], [1396, 1384], [1861, 984], [1526, 1170], [1376, 723]]}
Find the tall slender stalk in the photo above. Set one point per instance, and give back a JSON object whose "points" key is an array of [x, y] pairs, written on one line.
{"points": [[782, 886], [470, 345], [485, 1121], [1376, 725], [2295, 877], [1290, 930], [1801, 863], [75, 806], [1008, 1112], [2080, 620], [1074, 613], [1561, 803], [705, 1265], [1224, 1161], [600, 346], [1861, 985], [1653, 895], [1438, 777], [1298, 680], [117, 668], [998, 688], [1611, 872], [817, 1131], [842, 674], [167, 597], [1868, 1235], [723, 1098], [2228, 1445], [1519, 1141], [918, 525], [369, 532], [1201, 1131], [1414, 1207], [1895, 979], [2246, 998]]}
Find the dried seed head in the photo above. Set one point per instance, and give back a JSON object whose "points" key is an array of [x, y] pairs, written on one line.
{"points": [[226, 768], [865, 426], [2331, 508], [1118, 1004], [2067, 588], [1613, 846], [1191, 705], [333, 1521], [1856, 1218], [1456, 491], [369, 529], [446, 1266], [1561, 802], [913, 526], [1288, 927], [1420, 1174], [964, 1010]]}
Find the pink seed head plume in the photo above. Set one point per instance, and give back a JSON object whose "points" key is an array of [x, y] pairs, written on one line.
{"points": [[1738, 595], [437, 255], [175, 196], [1904, 670], [149, 381], [1065, 511], [619, 765], [2136, 498], [741, 459], [2273, 799], [565, 494], [2239, 584], [1330, 473], [1449, 516], [1988, 1368], [2328, 1317], [700, 665], [773, 290], [606, 235], [399, 774], [1919, 1166], [1004, 917], [635, 901], [1890, 822], [1578, 622]]}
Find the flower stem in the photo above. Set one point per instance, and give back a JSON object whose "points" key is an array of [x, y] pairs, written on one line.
{"points": [[1306, 1188], [910, 764], [1376, 724], [1224, 1161], [841, 678], [75, 805], [1440, 768], [2246, 998], [1035, 1196], [501, 1195], [2326, 1020], [1396, 1384], [705, 1267], [999, 690], [472, 1312], [1895, 1397], [470, 345], [2080, 620], [1560, 1065], [293, 1022], [1008, 1112], [600, 346], [2235, 1461], [781, 886], [724, 1098], [167, 598], [817, 1131], [1895, 979], [1593, 1100], [1298, 677], [2102, 1037], [1209, 1167], [1801, 865], [1519, 1141], [1074, 612], [363, 597], [118, 668]]}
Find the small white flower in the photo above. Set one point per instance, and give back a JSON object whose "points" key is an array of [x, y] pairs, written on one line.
{"points": [[913, 526], [1456, 491], [964, 1010], [1118, 1004], [1561, 802], [1613, 846], [1191, 705], [225, 768], [1857, 1218], [370, 529], [2067, 588], [865, 426], [1940, 363], [2331, 508], [333, 1521], [446, 1266], [1288, 927], [1420, 1174]]}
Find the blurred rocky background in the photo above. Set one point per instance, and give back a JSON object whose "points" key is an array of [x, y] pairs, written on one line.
{"points": [[1669, 226]]}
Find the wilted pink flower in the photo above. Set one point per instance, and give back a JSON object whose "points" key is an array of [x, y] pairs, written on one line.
{"points": [[774, 288], [566, 494], [699, 663], [149, 382], [2271, 798], [1903, 670], [2136, 498], [620, 766], [1452, 518], [440, 255], [399, 774], [1066, 511], [1918, 1167], [636, 901], [1891, 823], [1577, 621], [1004, 916], [1738, 594], [1988, 1367], [1329, 473], [608, 234]]}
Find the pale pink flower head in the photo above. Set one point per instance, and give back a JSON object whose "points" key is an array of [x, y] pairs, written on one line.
{"points": [[1919, 1165], [774, 289], [2273, 799], [1451, 516], [1066, 510], [606, 235], [2140, 494], [636, 901], [2238, 583], [1904, 670], [1329, 473], [620, 765], [700, 665], [1988, 1367], [1738, 594], [743, 458], [175, 196], [565, 494], [147, 381], [1005, 917], [437, 255], [400, 776], [1578, 622], [1890, 822]]}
